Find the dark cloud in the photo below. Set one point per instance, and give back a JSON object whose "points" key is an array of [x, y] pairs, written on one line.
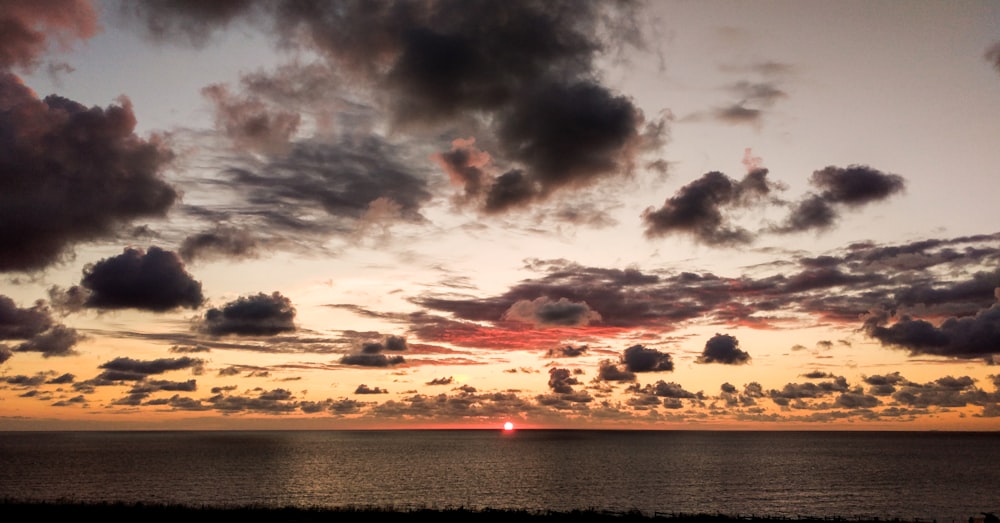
{"points": [[664, 389], [193, 20], [948, 391], [543, 311], [154, 280], [933, 277], [638, 358], [798, 391], [57, 341], [853, 186], [754, 98], [467, 167], [441, 381], [22, 323], [250, 123], [372, 360], [520, 75], [62, 379], [390, 343], [128, 369], [20, 380], [151, 386], [345, 181], [276, 401], [5, 353], [561, 381], [365, 389], [856, 400], [566, 352], [30, 28], [812, 212], [992, 56], [222, 241], [566, 136], [513, 188], [723, 348], [256, 315], [71, 174], [964, 337], [609, 371], [697, 208], [856, 184]]}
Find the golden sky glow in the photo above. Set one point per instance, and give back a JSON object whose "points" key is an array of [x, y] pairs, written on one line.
{"points": [[665, 214]]}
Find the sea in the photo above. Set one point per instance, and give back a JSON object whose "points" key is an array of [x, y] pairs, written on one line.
{"points": [[916, 476]]}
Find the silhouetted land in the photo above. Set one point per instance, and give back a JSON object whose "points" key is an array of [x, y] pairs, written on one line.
{"points": [[123, 512]]}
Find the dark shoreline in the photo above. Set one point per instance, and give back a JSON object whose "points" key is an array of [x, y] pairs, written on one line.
{"points": [[131, 512]]}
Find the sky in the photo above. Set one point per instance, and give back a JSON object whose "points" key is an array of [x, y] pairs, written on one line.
{"points": [[671, 214]]}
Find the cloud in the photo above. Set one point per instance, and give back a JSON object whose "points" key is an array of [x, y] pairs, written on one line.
{"points": [[467, 167], [154, 280], [754, 99], [372, 360], [609, 371], [931, 276], [22, 323], [697, 208], [948, 391], [992, 55], [663, 389], [365, 389], [128, 369], [520, 76], [638, 358], [57, 341], [853, 186], [856, 184], [255, 315], [544, 311], [250, 123], [194, 21], [566, 352], [29, 28], [723, 348], [561, 381], [342, 180], [71, 174], [222, 241], [962, 337]]}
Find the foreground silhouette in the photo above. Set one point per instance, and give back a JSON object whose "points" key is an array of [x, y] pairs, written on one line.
{"points": [[131, 512]]}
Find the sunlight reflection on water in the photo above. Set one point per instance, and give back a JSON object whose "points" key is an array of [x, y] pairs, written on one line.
{"points": [[946, 477]]}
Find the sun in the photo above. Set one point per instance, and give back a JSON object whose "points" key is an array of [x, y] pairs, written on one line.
{"points": [[508, 426]]}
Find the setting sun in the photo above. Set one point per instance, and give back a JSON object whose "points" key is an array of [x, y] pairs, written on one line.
{"points": [[508, 426]]}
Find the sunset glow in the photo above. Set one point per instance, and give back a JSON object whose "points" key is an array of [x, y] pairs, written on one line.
{"points": [[664, 214]]}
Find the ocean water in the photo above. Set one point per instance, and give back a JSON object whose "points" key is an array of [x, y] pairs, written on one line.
{"points": [[904, 475]]}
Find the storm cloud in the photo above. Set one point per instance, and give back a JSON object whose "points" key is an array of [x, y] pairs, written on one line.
{"points": [[71, 174]]}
